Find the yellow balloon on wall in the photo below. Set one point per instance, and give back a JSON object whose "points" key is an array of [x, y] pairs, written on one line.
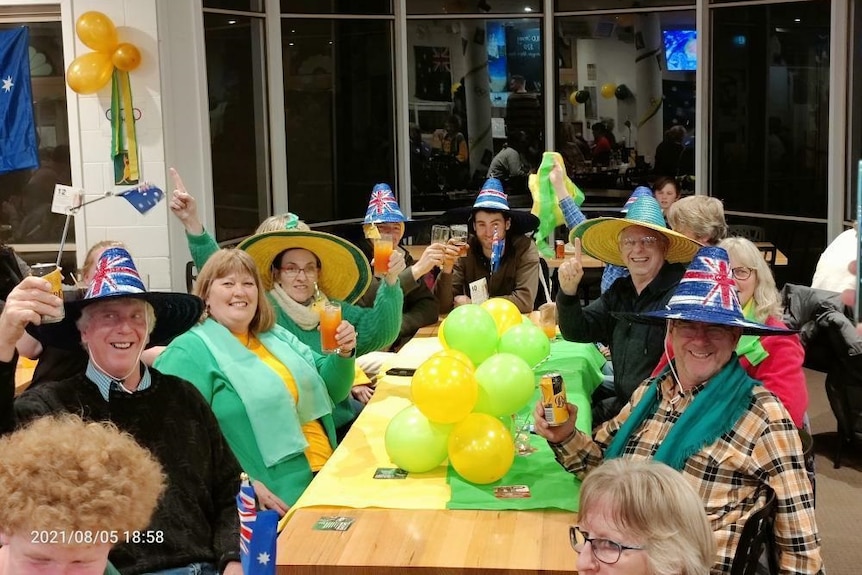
{"points": [[97, 31], [88, 73], [608, 90], [126, 57]]}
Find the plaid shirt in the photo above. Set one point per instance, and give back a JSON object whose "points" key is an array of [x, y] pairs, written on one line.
{"points": [[762, 448]]}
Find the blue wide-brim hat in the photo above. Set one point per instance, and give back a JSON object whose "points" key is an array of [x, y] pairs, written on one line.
{"points": [[115, 277], [600, 236], [640, 192], [707, 293], [383, 207], [492, 198]]}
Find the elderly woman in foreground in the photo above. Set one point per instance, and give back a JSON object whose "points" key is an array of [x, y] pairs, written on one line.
{"points": [[641, 518]]}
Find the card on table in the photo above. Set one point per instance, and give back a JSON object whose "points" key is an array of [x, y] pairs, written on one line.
{"points": [[512, 492], [330, 523], [390, 473]]}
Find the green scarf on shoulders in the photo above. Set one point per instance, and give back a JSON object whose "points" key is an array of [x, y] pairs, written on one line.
{"points": [[712, 413], [263, 392], [749, 346]]}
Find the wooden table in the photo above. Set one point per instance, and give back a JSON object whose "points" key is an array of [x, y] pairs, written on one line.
{"points": [[383, 541]]}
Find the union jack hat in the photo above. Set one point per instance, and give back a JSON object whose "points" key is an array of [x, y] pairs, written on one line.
{"points": [[383, 207], [707, 294], [116, 276]]}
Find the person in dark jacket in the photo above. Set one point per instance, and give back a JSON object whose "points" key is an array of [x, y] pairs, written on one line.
{"points": [[196, 520]]}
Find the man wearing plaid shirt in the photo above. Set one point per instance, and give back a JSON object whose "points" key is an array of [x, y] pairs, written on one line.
{"points": [[704, 416]]}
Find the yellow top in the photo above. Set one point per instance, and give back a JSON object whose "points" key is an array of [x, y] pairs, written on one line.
{"points": [[319, 450]]}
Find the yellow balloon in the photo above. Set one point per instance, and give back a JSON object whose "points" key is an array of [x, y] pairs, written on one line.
{"points": [[608, 90], [440, 335], [505, 313], [444, 389], [481, 449], [88, 73], [97, 31], [126, 57], [455, 354]]}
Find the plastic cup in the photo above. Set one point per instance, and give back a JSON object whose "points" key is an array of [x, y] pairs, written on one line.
{"points": [[459, 238], [330, 319], [53, 274], [383, 247], [439, 234]]}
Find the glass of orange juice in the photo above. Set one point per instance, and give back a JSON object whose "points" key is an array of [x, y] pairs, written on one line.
{"points": [[383, 247], [330, 319], [548, 319]]}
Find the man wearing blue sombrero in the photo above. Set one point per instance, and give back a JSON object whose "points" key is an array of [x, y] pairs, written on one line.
{"points": [[703, 415], [653, 255], [384, 216], [116, 320], [501, 260]]}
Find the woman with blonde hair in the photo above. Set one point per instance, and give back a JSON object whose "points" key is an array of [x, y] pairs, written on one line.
{"points": [[72, 491], [700, 218], [273, 395], [641, 517]]}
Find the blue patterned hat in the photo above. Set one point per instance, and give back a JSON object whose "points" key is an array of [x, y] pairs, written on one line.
{"points": [[383, 207], [600, 236], [707, 293], [492, 198], [116, 276], [639, 192]]}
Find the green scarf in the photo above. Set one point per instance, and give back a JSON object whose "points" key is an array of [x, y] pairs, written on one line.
{"points": [[275, 419], [749, 346], [712, 413]]}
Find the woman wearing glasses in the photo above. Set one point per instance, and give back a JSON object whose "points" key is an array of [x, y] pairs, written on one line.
{"points": [[776, 361], [641, 518]]}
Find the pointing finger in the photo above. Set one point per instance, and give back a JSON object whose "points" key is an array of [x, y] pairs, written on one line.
{"points": [[178, 181]]}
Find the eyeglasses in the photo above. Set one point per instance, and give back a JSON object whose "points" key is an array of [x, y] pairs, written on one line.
{"points": [[293, 271], [645, 242], [604, 550], [690, 330], [742, 273]]}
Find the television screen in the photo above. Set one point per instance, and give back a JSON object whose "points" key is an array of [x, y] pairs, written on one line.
{"points": [[680, 49]]}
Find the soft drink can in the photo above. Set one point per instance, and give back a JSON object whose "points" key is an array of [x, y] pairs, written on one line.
{"points": [[554, 398], [54, 274], [560, 249]]}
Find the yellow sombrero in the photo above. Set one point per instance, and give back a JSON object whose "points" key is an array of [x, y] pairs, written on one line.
{"points": [[600, 236], [344, 271]]}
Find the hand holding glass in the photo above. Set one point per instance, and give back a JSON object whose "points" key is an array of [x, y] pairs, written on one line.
{"points": [[439, 234], [330, 319]]}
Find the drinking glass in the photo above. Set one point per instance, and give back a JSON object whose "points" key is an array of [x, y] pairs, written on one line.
{"points": [[330, 319], [383, 247], [439, 234]]}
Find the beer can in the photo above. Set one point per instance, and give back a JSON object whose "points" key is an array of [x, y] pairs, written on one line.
{"points": [[554, 398], [560, 249], [53, 274]]}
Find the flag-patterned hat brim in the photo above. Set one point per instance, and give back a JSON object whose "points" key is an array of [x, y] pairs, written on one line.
{"points": [[707, 293], [344, 274], [116, 277]]}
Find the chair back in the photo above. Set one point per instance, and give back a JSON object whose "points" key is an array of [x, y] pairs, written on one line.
{"points": [[752, 233], [757, 537]]}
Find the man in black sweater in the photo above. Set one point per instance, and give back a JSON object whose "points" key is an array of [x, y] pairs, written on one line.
{"points": [[196, 521]]}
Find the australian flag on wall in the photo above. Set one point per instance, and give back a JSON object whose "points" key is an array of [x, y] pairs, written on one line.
{"points": [[18, 150], [433, 74]]}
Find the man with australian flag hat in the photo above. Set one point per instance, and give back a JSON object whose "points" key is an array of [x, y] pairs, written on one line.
{"points": [[384, 216], [195, 526], [501, 260], [704, 416]]}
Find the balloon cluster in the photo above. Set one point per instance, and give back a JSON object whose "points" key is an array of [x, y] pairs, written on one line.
{"points": [[464, 396], [89, 72]]}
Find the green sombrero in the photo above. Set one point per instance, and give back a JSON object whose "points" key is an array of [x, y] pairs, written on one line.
{"points": [[344, 271], [600, 236]]}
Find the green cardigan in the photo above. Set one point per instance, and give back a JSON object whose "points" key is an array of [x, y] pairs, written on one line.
{"points": [[376, 327], [189, 358]]}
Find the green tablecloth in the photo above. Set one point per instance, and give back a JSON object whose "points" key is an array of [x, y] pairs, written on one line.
{"points": [[551, 486]]}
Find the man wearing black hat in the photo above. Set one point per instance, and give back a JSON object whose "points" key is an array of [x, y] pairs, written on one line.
{"points": [[704, 416], [195, 525], [501, 260]]}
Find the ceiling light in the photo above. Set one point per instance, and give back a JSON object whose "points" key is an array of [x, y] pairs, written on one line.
{"points": [[231, 21]]}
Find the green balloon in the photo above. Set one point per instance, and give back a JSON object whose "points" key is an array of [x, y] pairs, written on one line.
{"points": [[527, 342], [506, 384], [415, 444], [471, 329], [508, 422]]}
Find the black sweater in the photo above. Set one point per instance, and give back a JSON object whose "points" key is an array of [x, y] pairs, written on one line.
{"points": [[197, 513]]}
